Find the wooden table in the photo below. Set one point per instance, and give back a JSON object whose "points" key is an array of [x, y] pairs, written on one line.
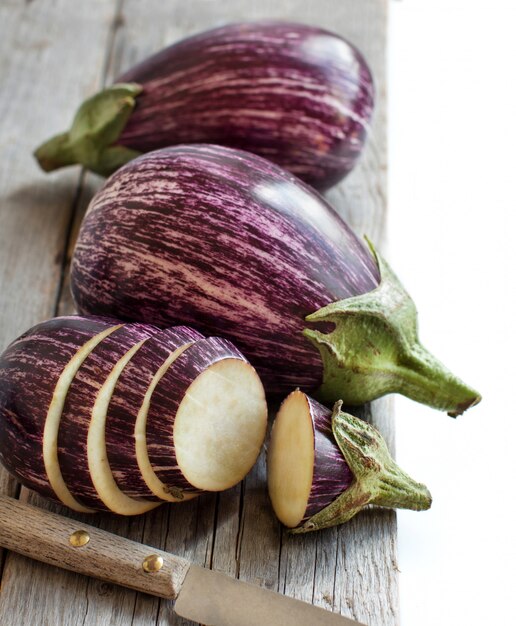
{"points": [[54, 53]]}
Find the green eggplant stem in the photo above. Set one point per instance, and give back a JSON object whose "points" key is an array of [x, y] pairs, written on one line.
{"points": [[91, 140], [374, 350], [377, 478]]}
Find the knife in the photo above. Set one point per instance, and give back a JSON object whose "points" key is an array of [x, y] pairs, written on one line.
{"points": [[200, 594]]}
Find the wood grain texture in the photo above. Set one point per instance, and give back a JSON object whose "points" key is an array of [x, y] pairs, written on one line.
{"points": [[350, 569], [38, 51]]}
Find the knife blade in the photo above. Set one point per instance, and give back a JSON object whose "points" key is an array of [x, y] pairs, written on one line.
{"points": [[200, 594], [214, 599]]}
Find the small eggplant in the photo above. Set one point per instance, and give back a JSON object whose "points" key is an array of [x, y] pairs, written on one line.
{"points": [[295, 94]]}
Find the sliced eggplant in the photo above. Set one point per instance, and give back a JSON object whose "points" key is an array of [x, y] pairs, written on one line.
{"points": [[306, 469], [324, 467], [35, 373], [207, 419], [81, 443], [127, 412]]}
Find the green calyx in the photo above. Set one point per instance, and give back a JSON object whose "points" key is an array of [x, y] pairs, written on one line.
{"points": [[374, 350], [377, 478], [91, 141]]}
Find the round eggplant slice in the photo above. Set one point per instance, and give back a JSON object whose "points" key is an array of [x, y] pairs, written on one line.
{"points": [[207, 419], [127, 412], [81, 442]]}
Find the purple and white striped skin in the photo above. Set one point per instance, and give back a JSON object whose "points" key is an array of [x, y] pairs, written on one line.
{"points": [[298, 95], [306, 470], [224, 241], [324, 467], [165, 403], [332, 475], [295, 94], [30, 369], [77, 411], [126, 402]]}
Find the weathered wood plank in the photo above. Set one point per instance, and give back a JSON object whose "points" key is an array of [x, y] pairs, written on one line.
{"points": [[351, 569], [52, 54], [34, 213], [46, 67]]}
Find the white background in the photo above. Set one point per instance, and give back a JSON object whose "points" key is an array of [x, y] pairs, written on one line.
{"points": [[452, 240]]}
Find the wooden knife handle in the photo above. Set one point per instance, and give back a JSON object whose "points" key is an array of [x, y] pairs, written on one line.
{"points": [[60, 541]]}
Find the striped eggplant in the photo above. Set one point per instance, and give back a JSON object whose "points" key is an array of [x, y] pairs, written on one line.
{"points": [[305, 467], [81, 443], [35, 373], [126, 419], [324, 467], [71, 394], [232, 244], [295, 94], [210, 405]]}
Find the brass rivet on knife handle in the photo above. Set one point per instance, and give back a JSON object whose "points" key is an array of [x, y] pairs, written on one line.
{"points": [[79, 538], [57, 540], [152, 563]]}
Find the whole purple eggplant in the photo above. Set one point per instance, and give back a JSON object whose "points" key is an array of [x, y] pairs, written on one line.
{"points": [[295, 94], [232, 244]]}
